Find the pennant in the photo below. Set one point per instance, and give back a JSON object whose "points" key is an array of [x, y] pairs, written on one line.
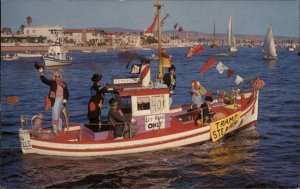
{"points": [[230, 72], [207, 65], [180, 29], [162, 22], [175, 26], [221, 67], [238, 80], [151, 28], [194, 49]]}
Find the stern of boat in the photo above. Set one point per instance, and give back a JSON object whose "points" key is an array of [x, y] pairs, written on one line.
{"points": [[25, 140]]}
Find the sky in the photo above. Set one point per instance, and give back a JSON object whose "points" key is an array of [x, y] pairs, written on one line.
{"points": [[249, 16]]}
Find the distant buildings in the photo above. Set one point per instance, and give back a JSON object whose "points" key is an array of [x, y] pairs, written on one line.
{"points": [[44, 35]]}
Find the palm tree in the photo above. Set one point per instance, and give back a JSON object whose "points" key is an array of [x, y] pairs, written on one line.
{"points": [[29, 20], [22, 28]]}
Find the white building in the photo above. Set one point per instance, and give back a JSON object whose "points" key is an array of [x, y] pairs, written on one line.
{"points": [[53, 33]]}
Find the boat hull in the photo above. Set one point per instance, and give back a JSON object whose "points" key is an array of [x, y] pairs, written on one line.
{"points": [[25, 55], [177, 135], [56, 62]]}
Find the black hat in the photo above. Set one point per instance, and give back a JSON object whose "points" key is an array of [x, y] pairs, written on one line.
{"points": [[172, 68], [37, 65], [208, 98], [96, 77]]}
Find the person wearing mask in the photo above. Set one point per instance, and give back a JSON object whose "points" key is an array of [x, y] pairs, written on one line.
{"points": [[96, 100], [170, 80], [58, 96], [197, 91], [116, 119]]}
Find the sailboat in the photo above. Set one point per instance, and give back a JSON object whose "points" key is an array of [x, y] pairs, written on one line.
{"points": [[230, 37], [153, 125], [214, 45], [269, 49]]}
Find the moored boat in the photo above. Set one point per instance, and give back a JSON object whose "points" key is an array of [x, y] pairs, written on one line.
{"points": [[57, 56], [29, 55]]}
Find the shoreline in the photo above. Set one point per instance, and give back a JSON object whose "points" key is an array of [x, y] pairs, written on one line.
{"points": [[17, 49]]}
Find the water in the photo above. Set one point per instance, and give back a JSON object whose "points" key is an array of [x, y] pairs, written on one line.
{"points": [[265, 155]]}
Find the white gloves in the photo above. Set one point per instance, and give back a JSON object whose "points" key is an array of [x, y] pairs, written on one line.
{"points": [[65, 101], [41, 70]]}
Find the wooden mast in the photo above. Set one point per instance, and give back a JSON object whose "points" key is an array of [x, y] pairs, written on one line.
{"points": [[158, 7]]}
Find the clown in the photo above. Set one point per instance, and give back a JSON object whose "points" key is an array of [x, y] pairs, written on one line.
{"points": [[196, 92]]}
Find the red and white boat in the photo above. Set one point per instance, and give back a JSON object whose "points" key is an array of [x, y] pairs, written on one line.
{"points": [[154, 125]]}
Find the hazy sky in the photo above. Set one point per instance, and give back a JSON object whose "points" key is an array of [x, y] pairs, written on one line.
{"points": [[249, 17]]}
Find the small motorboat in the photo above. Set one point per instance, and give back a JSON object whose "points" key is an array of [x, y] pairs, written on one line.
{"points": [[57, 56]]}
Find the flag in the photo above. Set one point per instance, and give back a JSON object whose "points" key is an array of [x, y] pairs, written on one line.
{"points": [[238, 80], [180, 29], [175, 26], [151, 28], [207, 65], [194, 49], [230, 72], [162, 22], [221, 67]]}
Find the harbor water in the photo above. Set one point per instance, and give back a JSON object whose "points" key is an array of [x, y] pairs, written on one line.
{"points": [[265, 155]]}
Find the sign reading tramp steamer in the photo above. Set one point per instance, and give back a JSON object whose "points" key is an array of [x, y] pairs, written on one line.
{"points": [[219, 128]]}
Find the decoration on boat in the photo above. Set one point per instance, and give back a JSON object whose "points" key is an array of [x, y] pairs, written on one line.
{"points": [[208, 65], [150, 30], [194, 49], [238, 80], [162, 22], [257, 83], [221, 67], [230, 72]]}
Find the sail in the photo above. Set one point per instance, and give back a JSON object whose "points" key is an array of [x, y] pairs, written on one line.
{"points": [[229, 31], [269, 44], [138, 43], [151, 28]]}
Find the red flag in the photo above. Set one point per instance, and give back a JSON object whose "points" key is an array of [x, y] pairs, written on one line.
{"points": [[207, 65], [151, 28], [230, 72], [194, 49]]}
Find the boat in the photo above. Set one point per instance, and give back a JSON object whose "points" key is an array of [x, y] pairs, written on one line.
{"points": [[222, 54], [230, 37], [214, 45], [29, 55], [9, 57], [269, 49], [153, 125], [57, 56]]}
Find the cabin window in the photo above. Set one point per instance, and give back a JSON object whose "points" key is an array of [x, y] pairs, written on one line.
{"points": [[143, 103]]}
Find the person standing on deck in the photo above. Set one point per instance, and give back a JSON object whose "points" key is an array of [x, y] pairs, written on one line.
{"points": [[96, 99], [170, 80], [58, 95], [196, 92]]}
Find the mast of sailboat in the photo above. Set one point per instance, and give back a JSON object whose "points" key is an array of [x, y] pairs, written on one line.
{"points": [[214, 32], [158, 7]]}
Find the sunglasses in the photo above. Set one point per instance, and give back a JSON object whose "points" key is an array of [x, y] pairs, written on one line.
{"points": [[57, 76]]}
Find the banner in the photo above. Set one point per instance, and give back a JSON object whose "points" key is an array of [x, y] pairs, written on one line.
{"points": [[207, 65], [194, 49], [219, 128]]}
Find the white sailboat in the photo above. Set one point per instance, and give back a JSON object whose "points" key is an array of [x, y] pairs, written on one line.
{"points": [[269, 49], [230, 36]]}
